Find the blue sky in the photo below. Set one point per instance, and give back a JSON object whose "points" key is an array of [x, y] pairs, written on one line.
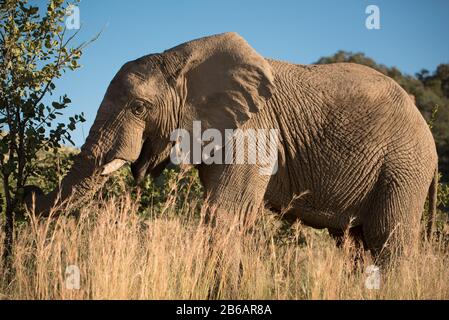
{"points": [[413, 35]]}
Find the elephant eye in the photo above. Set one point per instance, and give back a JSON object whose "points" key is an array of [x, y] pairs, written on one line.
{"points": [[138, 108]]}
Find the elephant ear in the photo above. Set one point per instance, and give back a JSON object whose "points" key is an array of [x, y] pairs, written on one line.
{"points": [[225, 79]]}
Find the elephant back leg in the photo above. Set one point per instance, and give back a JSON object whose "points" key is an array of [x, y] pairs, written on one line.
{"points": [[391, 221]]}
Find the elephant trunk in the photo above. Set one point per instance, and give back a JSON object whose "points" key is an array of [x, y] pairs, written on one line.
{"points": [[107, 148], [83, 180]]}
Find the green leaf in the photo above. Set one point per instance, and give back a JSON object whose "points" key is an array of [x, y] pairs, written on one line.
{"points": [[58, 105], [33, 10], [66, 100]]}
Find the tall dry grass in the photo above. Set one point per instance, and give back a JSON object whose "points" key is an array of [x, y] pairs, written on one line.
{"points": [[174, 255]]}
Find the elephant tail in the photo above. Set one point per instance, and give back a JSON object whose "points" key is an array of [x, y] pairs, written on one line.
{"points": [[433, 192]]}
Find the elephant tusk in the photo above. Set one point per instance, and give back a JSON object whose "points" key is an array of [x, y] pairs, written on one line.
{"points": [[112, 166]]}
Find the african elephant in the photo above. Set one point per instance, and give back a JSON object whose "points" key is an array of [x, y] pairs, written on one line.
{"points": [[348, 135]]}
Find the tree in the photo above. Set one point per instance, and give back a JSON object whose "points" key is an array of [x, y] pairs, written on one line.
{"points": [[34, 53]]}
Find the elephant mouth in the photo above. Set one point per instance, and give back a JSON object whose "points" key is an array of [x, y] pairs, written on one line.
{"points": [[153, 166], [112, 166]]}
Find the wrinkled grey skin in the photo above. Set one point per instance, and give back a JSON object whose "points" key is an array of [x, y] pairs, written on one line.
{"points": [[349, 136]]}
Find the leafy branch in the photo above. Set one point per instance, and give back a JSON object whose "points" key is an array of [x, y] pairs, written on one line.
{"points": [[35, 51]]}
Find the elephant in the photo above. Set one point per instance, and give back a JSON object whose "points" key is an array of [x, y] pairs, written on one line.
{"points": [[351, 140]]}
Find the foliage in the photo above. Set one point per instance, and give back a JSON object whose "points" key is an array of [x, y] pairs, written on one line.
{"points": [[430, 90], [442, 218], [181, 188], [34, 53], [51, 167], [443, 195]]}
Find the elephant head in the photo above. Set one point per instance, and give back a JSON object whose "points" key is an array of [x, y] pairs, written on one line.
{"points": [[218, 80]]}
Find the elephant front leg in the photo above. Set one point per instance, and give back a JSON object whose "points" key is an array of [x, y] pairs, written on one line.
{"points": [[234, 192], [234, 196]]}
